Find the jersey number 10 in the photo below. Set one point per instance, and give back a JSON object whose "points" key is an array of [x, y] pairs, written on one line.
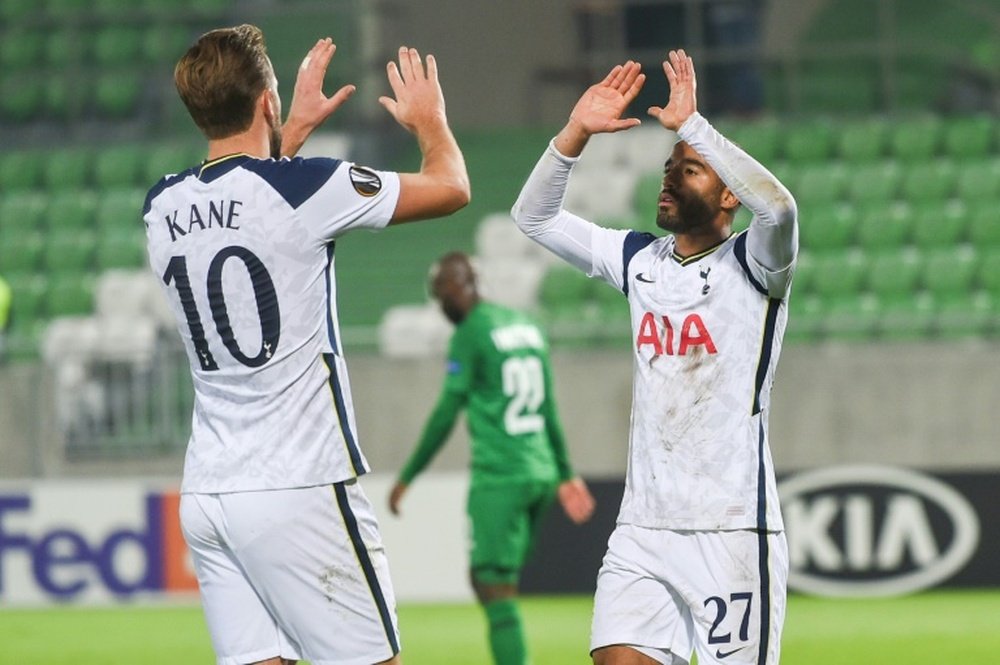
{"points": [[264, 294]]}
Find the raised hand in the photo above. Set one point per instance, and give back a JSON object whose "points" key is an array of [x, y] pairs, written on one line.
{"points": [[418, 98], [310, 107], [679, 69], [600, 108]]}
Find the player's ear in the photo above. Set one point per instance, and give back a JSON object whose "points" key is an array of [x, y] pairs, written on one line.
{"points": [[268, 104], [728, 200]]}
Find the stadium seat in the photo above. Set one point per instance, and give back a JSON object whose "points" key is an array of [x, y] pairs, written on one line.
{"points": [[121, 249], [827, 226], [166, 43], [119, 166], [70, 253], [121, 209], [21, 212], [950, 271], [874, 182], [808, 142], [983, 225], [805, 317], [885, 224], [21, 50], [820, 183], [978, 180], [117, 45], [28, 298], [966, 315], [20, 170], [63, 10], [969, 137], [988, 271], [13, 11], [939, 224], [915, 139], [837, 273], [116, 94], [71, 211], [564, 287], [68, 168], [892, 273], [931, 181], [760, 138], [842, 86], [909, 317], [22, 97], [64, 47], [862, 142], [20, 252], [850, 316], [168, 158], [69, 295], [645, 197]]}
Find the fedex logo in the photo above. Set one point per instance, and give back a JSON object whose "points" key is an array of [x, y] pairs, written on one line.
{"points": [[65, 560], [692, 332]]}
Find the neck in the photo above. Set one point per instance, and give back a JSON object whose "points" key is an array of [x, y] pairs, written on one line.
{"points": [[686, 244], [254, 142]]}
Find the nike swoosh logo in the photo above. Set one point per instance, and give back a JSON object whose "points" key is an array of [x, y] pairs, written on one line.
{"points": [[642, 278], [720, 654]]}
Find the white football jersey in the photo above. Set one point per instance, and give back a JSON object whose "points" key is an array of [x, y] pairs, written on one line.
{"points": [[706, 340], [244, 248]]}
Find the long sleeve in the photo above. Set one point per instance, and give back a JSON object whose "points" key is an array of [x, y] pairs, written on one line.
{"points": [[436, 431], [554, 430], [773, 239]]}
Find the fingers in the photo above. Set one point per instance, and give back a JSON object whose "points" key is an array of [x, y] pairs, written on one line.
{"points": [[389, 103], [395, 79], [635, 87], [432, 67], [340, 97]]}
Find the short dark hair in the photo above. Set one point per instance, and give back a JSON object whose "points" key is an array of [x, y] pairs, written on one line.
{"points": [[220, 78]]}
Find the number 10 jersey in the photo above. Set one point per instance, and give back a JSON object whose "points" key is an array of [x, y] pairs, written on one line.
{"points": [[244, 249]]}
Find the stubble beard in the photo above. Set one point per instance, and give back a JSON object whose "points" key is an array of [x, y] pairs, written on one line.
{"points": [[690, 214]]}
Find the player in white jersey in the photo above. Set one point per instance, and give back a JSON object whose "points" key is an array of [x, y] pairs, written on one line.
{"points": [[284, 542], [698, 560]]}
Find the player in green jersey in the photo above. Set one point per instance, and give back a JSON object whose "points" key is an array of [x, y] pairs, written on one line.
{"points": [[498, 371]]}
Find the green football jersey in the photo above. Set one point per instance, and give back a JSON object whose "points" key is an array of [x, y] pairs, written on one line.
{"points": [[498, 370]]}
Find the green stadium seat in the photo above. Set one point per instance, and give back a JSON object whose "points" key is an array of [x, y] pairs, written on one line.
{"points": [[20, 252], [68, 168], [166, 43], [119, 166], [20, 170], [805, 317], [820, 183], [27, 298], [885, 224], [969, 137], [71, 253], [984, 224], [71, 211], [116, 94], [932, 181], [21, 213], [842, 86], [915, 139], [808, 142], [947, 272], [64, 47], [67, 9], [967, 315], [805, 271], [909, 317], [893, 274], [646, 195], [22, 98], [862, 142], [123, 248], [988, 271], [117, 45], [760, 138], [939, 224], [564, 286], [837, 273], [121, 209], [13, 11], [850, 317], [69, 295], [874, 182], [21, 49], [978, 179], [827, 226], [168, 158]]}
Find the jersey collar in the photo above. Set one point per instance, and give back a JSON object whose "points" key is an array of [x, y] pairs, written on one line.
{"points": [[685, 260], [210, 170]]}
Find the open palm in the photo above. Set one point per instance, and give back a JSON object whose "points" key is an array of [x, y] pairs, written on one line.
{"points": [[600, 108], [679, 69]]}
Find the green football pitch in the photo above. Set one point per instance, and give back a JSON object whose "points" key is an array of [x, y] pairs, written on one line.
{"points": [[936, 627]]}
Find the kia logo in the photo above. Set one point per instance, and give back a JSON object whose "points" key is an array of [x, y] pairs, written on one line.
{"points": [[874, 531]]}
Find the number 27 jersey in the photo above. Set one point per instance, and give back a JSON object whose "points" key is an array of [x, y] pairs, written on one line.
{"points": [[244, 249]]}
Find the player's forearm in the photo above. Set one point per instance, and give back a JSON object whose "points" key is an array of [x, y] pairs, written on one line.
{"points": [[444, 164], [774, 237], [432, 439]]}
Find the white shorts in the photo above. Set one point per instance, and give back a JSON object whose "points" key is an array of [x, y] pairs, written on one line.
{"points": [[720, 594], [297, 573]]}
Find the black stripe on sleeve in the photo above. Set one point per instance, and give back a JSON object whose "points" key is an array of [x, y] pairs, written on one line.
{"points": [[634, 242], [740, 249]]}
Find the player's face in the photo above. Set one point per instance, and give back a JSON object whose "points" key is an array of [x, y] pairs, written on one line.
{"points": [[449, 293], [691, 196]]}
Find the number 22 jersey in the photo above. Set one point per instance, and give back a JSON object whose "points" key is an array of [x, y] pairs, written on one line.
{"points": [[244, 248]]}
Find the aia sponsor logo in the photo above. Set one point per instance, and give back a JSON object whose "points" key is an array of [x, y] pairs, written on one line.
{"points": [[874, 531], [663, 338]]}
